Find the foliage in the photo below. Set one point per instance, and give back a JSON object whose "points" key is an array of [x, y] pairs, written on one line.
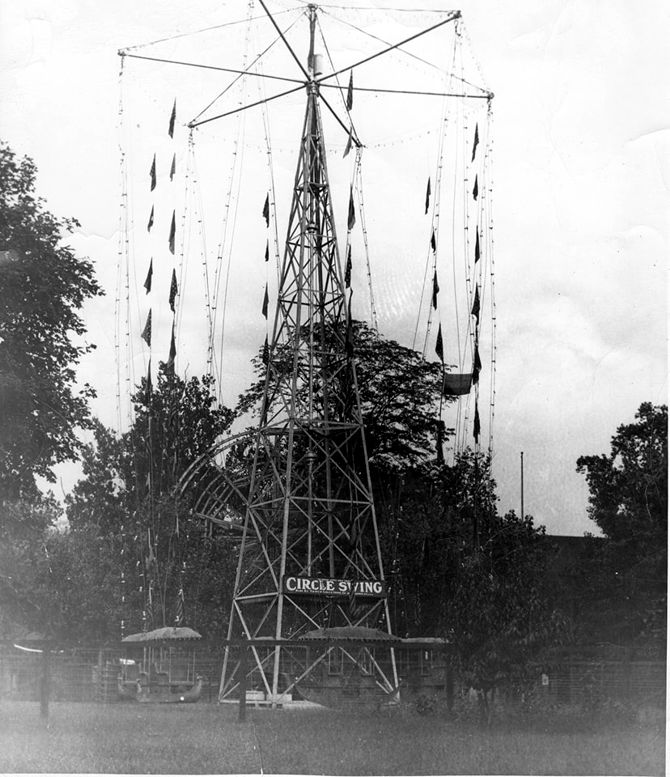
{"points": [[28, 574], [459, 570], [41, 333], [400, 397], [126, 523], [629, 502]]}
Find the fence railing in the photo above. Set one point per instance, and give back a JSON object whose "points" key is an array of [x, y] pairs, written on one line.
{"points": [[47, 672]]}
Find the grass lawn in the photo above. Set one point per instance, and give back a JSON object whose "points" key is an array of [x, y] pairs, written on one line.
{"points": [[206, 738]]}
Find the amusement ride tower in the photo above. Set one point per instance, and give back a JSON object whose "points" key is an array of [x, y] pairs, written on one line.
{"points": [[298, 487]]}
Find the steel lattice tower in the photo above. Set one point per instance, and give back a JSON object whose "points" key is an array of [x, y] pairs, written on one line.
{"points": [[309, 511]]}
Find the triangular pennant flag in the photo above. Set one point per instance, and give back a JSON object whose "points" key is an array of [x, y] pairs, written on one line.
{"points": [[152, 174], [433, 242], [267, 251], [151, 219], [266, 210], [172, 234], [475, 305], [347, 148], [428, 195], [173, 116], [439, 349], [147, 282], [476, 365], [173, 350], [457, 384], [350, 91], [475, 142], [173, 166], [173, 289], [475, 189], [146, 332], [266, 351], [351, 220], [476, 431], [477, 253], [436, 290], [266, 299], [347, 269]]}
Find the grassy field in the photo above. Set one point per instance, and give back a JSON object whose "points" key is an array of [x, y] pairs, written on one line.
{"points": [[206, 738]]}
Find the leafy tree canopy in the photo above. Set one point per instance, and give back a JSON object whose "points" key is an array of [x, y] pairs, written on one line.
{"points": [[628, 488], [629, 502], [44, 287], [125, 517]]}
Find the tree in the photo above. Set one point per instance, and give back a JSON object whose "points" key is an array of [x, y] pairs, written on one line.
{"points": [[629, 502], [400, 397], [131, 533], [28, 588], [44, 287]]}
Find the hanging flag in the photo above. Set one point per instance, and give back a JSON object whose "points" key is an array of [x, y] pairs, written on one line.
{"points": [[350, 91], [475, 305], [347, 148], [476, 431], [436, 290], [439, 444], [475, 142], [352, 212], [146, 332], [266, 299], [456, 384], [349, 341], [439, 350], [173, 116], [347, 269], [433, 242], [173, 289], [173, 351], [475, 189], [150, 387], [353, 536], [267, 251], [147, 282], [266, 351], [266, 210], [476, 365], [173, 166], [172, 234], [428, 194], [477, 246], [152, 174], [151, 219]]}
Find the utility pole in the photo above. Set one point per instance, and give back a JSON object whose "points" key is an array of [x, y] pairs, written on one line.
{"points": [[522, 512]]}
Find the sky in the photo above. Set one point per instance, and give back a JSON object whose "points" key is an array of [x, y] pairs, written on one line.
{"points": [[579, 201]]}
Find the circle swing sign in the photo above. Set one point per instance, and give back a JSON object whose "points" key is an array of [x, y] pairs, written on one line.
{"points": [[331, 586]]}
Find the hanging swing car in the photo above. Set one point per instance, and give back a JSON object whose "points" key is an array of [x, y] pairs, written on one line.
{"points": [[160, 667]]}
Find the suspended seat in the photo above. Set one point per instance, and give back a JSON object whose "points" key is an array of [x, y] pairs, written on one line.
{"points": [[457, 383]]}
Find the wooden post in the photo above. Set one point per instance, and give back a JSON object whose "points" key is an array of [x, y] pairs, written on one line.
{"points": [[45, 681], [449, 682], [242, 714]]}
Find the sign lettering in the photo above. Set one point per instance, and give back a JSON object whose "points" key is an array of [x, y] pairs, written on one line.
{"points": [[331, 586]]}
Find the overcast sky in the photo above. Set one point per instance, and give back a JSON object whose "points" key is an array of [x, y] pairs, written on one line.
{"points": [[580, 198]]}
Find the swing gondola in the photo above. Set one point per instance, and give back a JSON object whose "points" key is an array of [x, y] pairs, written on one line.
{"points": [[164, 673]]}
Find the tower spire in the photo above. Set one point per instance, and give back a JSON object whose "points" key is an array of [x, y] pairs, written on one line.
{"points": [[310, 555]]}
